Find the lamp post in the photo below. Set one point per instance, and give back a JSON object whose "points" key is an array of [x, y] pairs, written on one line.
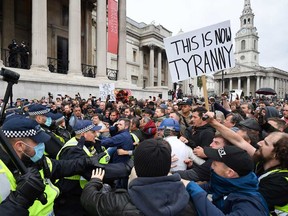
{"points": [[191, 89]]}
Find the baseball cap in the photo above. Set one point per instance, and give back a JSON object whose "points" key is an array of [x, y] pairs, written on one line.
{"points": [[232, 156], [163, 106], [250, 124], [83, 126], [170, 123], [21, 127]]}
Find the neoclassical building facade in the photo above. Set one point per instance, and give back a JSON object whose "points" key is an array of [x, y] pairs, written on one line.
{"points": [[68, 43], [248, 75]]}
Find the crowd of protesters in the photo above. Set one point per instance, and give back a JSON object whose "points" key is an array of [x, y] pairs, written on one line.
{"points": [[235, 151]]}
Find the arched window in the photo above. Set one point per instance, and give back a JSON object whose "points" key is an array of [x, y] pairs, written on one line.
{"points": [[244, 21], [248, 20], [255, 44], [243, 44]]}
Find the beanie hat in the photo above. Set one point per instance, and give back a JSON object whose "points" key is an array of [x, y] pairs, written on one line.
{"points": [[152, 158]]}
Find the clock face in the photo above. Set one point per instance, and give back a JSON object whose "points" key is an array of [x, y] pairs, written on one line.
{"points": [[243, 31]]}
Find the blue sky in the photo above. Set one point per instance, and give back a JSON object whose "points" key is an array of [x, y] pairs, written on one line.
{"points": [[270, 20]]}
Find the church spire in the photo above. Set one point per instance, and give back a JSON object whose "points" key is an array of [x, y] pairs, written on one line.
{"points": [[246, 48], [247, 7], [247, 18]]}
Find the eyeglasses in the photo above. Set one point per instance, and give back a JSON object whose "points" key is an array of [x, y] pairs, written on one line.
{"points": [[285, 110]]}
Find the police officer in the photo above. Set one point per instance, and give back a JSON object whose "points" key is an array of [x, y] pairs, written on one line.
{"points": [[24, 54], [13, 51], [83, 144], [43, 116], [27, 139]]}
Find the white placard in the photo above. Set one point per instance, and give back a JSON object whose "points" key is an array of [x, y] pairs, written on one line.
{"points": [[106, 89], [199, 52]]}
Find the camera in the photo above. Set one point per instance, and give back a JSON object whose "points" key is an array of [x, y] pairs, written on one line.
{"points": [[205, 117], [9, 76], [50, 95]]}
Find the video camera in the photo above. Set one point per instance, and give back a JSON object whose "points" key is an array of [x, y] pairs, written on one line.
{"points": [[9, 76]]}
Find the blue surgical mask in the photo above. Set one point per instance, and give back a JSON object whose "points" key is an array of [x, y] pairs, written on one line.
{"points": [[48, 121], [39, 152]]}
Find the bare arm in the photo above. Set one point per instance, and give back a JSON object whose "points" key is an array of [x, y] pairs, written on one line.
{"points": [[230, 135]]}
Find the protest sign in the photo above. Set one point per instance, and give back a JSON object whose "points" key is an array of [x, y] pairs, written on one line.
{"points": [[106, 89], [200, 52]]}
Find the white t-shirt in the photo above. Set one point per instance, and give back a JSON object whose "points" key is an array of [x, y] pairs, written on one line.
{"points": [[182, 152]]}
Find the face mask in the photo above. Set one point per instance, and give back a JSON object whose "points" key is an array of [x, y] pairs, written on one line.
{"points": [[48, 121], [39, 152]]}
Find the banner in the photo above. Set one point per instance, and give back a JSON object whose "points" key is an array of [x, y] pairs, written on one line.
{"points": [[106, 89], [113, 26], [199, 52]]}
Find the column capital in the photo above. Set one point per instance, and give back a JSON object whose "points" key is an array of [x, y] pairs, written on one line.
{"points": [[151, 46]]}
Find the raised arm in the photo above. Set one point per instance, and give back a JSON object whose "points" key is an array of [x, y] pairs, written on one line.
{"points": [[230, 135]]}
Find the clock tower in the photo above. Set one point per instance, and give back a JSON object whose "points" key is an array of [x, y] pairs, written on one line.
{"points": [[246, 40]]}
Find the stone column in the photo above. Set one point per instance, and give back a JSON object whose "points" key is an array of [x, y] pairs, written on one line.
{"points": [[1, 62], [230, 84], [75, 37], [169, 79], [8, 27], [285, 88], [101, 40], [151, 66], [140, 74], [239, 83], [248, 86], [261, 82], [122, 73], [159, 67], [216, 87], [277, 86], [271, 82], [257, 82], [39, 34]]}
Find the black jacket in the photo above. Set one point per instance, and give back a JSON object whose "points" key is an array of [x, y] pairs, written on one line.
{"points": [[199, 136], [164, 195]]}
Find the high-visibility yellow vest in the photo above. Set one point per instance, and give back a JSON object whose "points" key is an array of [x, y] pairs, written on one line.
{"points": [[72, 143], [279, 210], [37, 208]]}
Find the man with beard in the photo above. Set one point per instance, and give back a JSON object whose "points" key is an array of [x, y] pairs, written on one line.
{"points": [[271, 164]]}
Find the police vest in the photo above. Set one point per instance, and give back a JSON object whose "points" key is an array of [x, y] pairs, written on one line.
{"points": [[8, 183], [278, 210], [73, 143]]}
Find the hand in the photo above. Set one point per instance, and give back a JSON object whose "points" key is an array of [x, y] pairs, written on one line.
{"points": [[94, 161], [199, 151], [30, 186], [173, 160], [183, 139], [185, 182], [188, 162], [98, 173]]}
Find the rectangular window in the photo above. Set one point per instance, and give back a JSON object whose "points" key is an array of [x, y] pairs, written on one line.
{"points": [[145, 59], [134, 55]]}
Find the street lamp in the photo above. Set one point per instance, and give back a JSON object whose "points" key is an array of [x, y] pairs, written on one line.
{"points": [[191, 88]]}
